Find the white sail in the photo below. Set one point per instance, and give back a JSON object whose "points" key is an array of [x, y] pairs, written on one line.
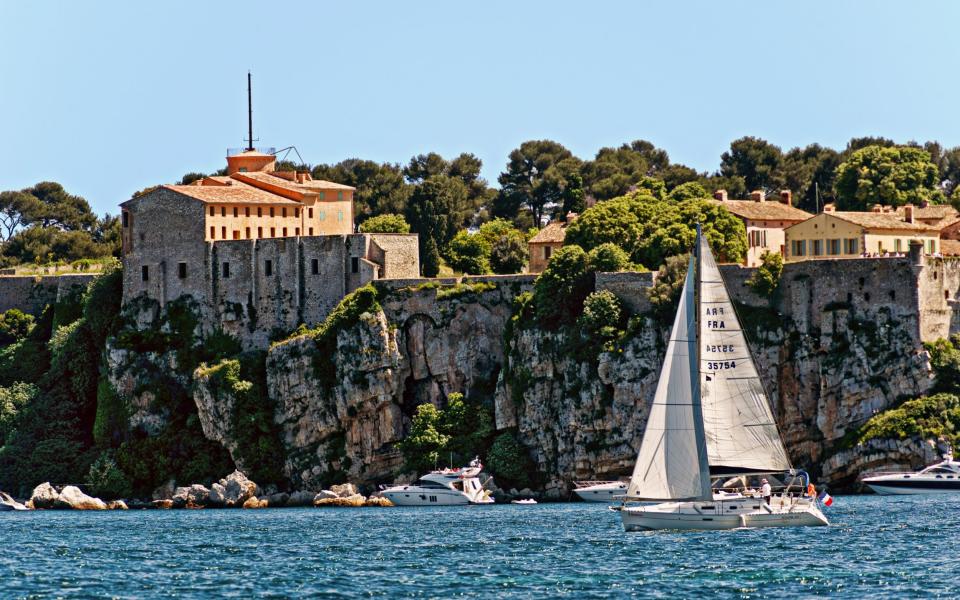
{"points": [[740, 429], [672, 461]]}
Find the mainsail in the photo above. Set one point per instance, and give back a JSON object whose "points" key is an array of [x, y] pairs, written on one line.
{"points": [[741, 432], [709, 412], [672, 464]]}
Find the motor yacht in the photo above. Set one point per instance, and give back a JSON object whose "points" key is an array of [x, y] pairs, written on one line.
{"points": [[940, 478], [8, 503], [599, 491], [447, 487]]}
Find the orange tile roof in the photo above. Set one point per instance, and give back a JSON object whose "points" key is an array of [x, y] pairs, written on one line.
{"points": [[235, 193], [293, 186], [884, 221], [950, 247], [554, 232], [768, 210], [939, 212]]}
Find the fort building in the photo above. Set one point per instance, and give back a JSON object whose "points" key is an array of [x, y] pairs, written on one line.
{"points": [[837, 234], [257, 250], [547, 241], [764, 220]]}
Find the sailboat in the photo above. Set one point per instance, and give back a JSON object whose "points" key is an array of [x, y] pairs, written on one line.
{"points": [[710, 419]]}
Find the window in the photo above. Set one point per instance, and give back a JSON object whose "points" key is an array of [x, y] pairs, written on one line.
{"points": [[315, 266], [310, 213], [296, 231], [283, 212], [818, 247], [851, 246], [354, 264], [213, 233], [273, 232], [296, 212], [339, 195], [284, 232], [833, 247], [246, 211], [182, 270], [896, 245], [226, 270], [212, 211], [271, 211], [145, 273], [340, 216], [323, 215], [321, 195], [236, 234], [798, 247], [223, 233], [259, 211], [236, 212], [933, 246], [310, 230], [268, 268], [247, 232], [126, 219], [223, 211], [259, 233], [547, 250]]}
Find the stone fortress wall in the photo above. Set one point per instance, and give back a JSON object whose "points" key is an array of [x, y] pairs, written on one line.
{"points": [[31, 294]]}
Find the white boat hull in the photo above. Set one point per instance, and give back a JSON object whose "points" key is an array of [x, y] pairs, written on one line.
{"points": [[433, 497], [726, 514], [601, 493], [889, 490]]}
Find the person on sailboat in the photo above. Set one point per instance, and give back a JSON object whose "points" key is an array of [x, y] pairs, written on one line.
{"points": [[765, 491], [811, 490]]}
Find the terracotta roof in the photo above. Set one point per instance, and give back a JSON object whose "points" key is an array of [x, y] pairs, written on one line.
{"points": [[768, 210], [235, 193], [950, 247], [305, 187], [888, 221], [554, 232], [932, 212]]}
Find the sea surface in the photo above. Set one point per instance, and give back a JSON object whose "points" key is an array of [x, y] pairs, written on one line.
{"points": [[878, 547]]}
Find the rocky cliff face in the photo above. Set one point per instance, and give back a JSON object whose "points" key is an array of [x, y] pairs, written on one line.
{"points": [[579, 413]]}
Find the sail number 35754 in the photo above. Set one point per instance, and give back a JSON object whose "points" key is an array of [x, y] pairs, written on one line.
{"points": [[721, 365]]}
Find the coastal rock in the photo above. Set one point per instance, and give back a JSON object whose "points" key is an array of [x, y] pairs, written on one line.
{"points": [[377, 501], [301, 498], [117, 505], [344, 490], [254, 502], [233, 490], [194, 496], [325, 495], [165, 491], [162, 504], [44, 496], [278, 499], [349, 501], [71, 498]]}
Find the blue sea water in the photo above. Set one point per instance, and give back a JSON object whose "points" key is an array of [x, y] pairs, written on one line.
{"points": [[876, 547]]}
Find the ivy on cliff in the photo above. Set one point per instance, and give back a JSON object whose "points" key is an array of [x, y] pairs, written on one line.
{"points": [[927, 417]]}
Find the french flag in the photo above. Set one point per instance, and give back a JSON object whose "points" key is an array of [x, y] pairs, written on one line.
{"points": [[826, 499]]}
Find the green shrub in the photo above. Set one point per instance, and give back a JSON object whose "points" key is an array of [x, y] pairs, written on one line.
{"points": [[766, 278], [12, 400], [509, 253], [28, 359], [602, 315], [112, 418], [421, 447], [386, 223], [508, 460], [608, 258], [559, 291], [945, 361], [14, 326], [665, 293], [928, 417], [106, 480], [469, 253]]}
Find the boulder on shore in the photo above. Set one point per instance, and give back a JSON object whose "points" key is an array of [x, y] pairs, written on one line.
{"points": [[71, 498], [277, 499], [117, 505], [193, 497], [254, 502], [162, 504], [232, 491], [301, 499], [377, 501], [43, 496], [344, 490], [324, 495], [355, 500]]}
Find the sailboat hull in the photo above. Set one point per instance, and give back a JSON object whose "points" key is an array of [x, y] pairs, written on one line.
{"points": [[726, 514]]}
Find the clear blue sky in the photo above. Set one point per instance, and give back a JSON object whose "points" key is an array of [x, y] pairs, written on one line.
{"points": [[111, 97]]}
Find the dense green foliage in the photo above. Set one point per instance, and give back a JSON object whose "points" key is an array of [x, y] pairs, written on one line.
{"points": [[945, 361], [509, 461], [766, 278], [665, 292], [106, 480], [385, 223], [927, 417], [894, 175], [469, 254], [559, 291], [14, 326], [602, 315], [12, 401], [460, 431], [608, 258], [538, 173], [649, 230]]}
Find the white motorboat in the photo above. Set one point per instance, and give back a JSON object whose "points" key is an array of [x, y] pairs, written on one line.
{"points": [[710, 418], [8, 503], [524, 501], [599, 491], [940, 478], [448, 487]]}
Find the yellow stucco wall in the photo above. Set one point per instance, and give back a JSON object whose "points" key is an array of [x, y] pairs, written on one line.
{"points": [[769, 237], [255, 221], [825, 228]]}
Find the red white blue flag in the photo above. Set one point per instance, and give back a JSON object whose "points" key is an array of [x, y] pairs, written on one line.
{"points": [[826, 499]]}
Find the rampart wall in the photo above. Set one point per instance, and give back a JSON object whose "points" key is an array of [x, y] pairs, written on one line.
{"points": [[31, 294]]}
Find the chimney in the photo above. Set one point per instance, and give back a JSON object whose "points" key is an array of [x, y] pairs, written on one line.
{"points": [[908, 213], [757, 196], [786, 197], [924, 204], [877, 208], [829, 207], [720, 195]]}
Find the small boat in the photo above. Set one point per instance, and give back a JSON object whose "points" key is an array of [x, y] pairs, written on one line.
{"points": [[599, 491], [710, 419], [524, 501], [8, 503], [940, 478], [447, 487]]}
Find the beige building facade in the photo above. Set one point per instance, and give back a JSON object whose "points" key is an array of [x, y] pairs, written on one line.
{"points": [[835, 234], [765, 221], [547, 241]]}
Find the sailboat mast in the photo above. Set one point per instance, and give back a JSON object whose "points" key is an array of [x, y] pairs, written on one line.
{"points": [[696, 377]]}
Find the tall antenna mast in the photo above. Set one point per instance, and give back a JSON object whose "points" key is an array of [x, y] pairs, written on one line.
{"points": [[249, 111]]}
